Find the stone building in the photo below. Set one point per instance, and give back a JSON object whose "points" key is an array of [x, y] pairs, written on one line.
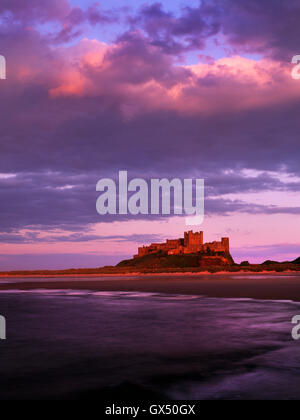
{"points": [[192, 243]]}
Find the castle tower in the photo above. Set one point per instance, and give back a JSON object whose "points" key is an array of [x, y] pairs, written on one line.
{"points": [[193, 241], [225, 243]]}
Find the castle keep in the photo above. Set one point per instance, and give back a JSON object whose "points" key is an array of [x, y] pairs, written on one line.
{"points": [[192, 243]]}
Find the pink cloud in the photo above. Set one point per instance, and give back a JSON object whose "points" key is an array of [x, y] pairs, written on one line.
{"points": [[141, 79]]}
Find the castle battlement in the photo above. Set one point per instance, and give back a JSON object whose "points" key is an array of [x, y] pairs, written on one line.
{"points": [[191, 243]]}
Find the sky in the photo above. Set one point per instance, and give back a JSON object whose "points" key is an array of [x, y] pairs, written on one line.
{"points": [[187, 89]]}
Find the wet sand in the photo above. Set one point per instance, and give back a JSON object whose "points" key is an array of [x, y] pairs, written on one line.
{"points": [[256, 286]]}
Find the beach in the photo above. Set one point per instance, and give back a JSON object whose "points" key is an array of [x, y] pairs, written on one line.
{"points": [[267, 286]]}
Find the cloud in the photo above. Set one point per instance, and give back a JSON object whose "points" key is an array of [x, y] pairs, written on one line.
{"points": [[31, 237], [72, 114], [47, 202], [71, 20], [277, 252], [37, 11], [267, 27], [176, 34], [252, 26], [155, 83]]}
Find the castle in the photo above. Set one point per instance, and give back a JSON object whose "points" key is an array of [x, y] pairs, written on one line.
{"points": [[192, 243]]}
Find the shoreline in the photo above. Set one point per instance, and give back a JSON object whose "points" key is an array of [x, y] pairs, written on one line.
{"points": [[156, 274], [265, 286]]}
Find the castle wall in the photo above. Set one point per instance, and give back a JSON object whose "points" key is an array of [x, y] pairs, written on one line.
{"points": [[191, 243]]}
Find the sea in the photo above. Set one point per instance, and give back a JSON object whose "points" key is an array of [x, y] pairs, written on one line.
{"points": [[78, 345]]}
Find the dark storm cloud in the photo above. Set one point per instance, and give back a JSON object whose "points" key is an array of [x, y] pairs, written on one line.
{"points": [[177, 34], [266, 27], [260, 26], [145, 63]]}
